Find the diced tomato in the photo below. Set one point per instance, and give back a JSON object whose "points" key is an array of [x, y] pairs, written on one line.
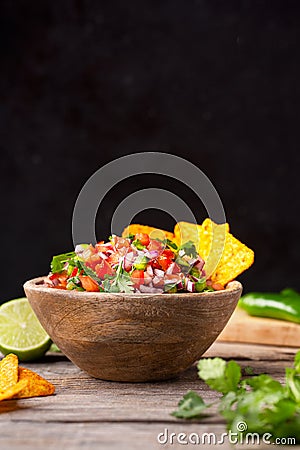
{"points": [[143, 238], [164, 260], [63, 283], [155, 264], [168, 253], [89, 284], [59, 280], [53, 276], [93, 260], [113, 258], [63, 278], [101, 247], [217, 286], [91, 249], [103, 268], [74, 272], [121, 245], [137, 277]]}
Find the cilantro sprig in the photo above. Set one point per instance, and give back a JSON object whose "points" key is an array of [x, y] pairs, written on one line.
{"points": [[129, 236], [120, 282], [88, 271], [260, 401], [191, 406], [58, 262], [188, 249]]}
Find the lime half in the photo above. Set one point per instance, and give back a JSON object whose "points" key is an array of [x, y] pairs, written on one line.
{"points": [[21, 332]]}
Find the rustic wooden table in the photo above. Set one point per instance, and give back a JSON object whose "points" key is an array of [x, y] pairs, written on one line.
{"points": [[92, 414]]}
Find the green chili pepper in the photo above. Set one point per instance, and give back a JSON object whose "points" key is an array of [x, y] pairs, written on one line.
{"points": [[284, 305]]}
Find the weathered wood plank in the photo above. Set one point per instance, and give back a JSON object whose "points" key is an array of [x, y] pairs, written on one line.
{"points": [[240, 351], [260, 330], [117, 436], [90, 413], [81, 398]]}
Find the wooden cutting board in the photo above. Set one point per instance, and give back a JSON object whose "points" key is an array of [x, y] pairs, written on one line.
{"points": [[256, 330]]}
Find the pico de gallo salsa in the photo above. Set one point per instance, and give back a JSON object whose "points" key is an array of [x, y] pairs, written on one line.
{"points": [[134, 264]]}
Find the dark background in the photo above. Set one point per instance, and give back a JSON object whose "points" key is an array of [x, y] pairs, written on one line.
{"points": [[84, 82]]}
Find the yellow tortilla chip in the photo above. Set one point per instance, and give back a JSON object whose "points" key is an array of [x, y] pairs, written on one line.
{"points": [[10, 392], [212, 244], [185, 231], [151, 231], [36, 386], [8, 372], [225, 256]]}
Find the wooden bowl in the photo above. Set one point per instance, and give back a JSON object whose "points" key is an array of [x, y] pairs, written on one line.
{"points": [[132, 337]]}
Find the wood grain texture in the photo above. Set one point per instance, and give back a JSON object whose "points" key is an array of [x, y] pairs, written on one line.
{"points": [[103, 436], [133, 337], [257, 330], [87, 413]]}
